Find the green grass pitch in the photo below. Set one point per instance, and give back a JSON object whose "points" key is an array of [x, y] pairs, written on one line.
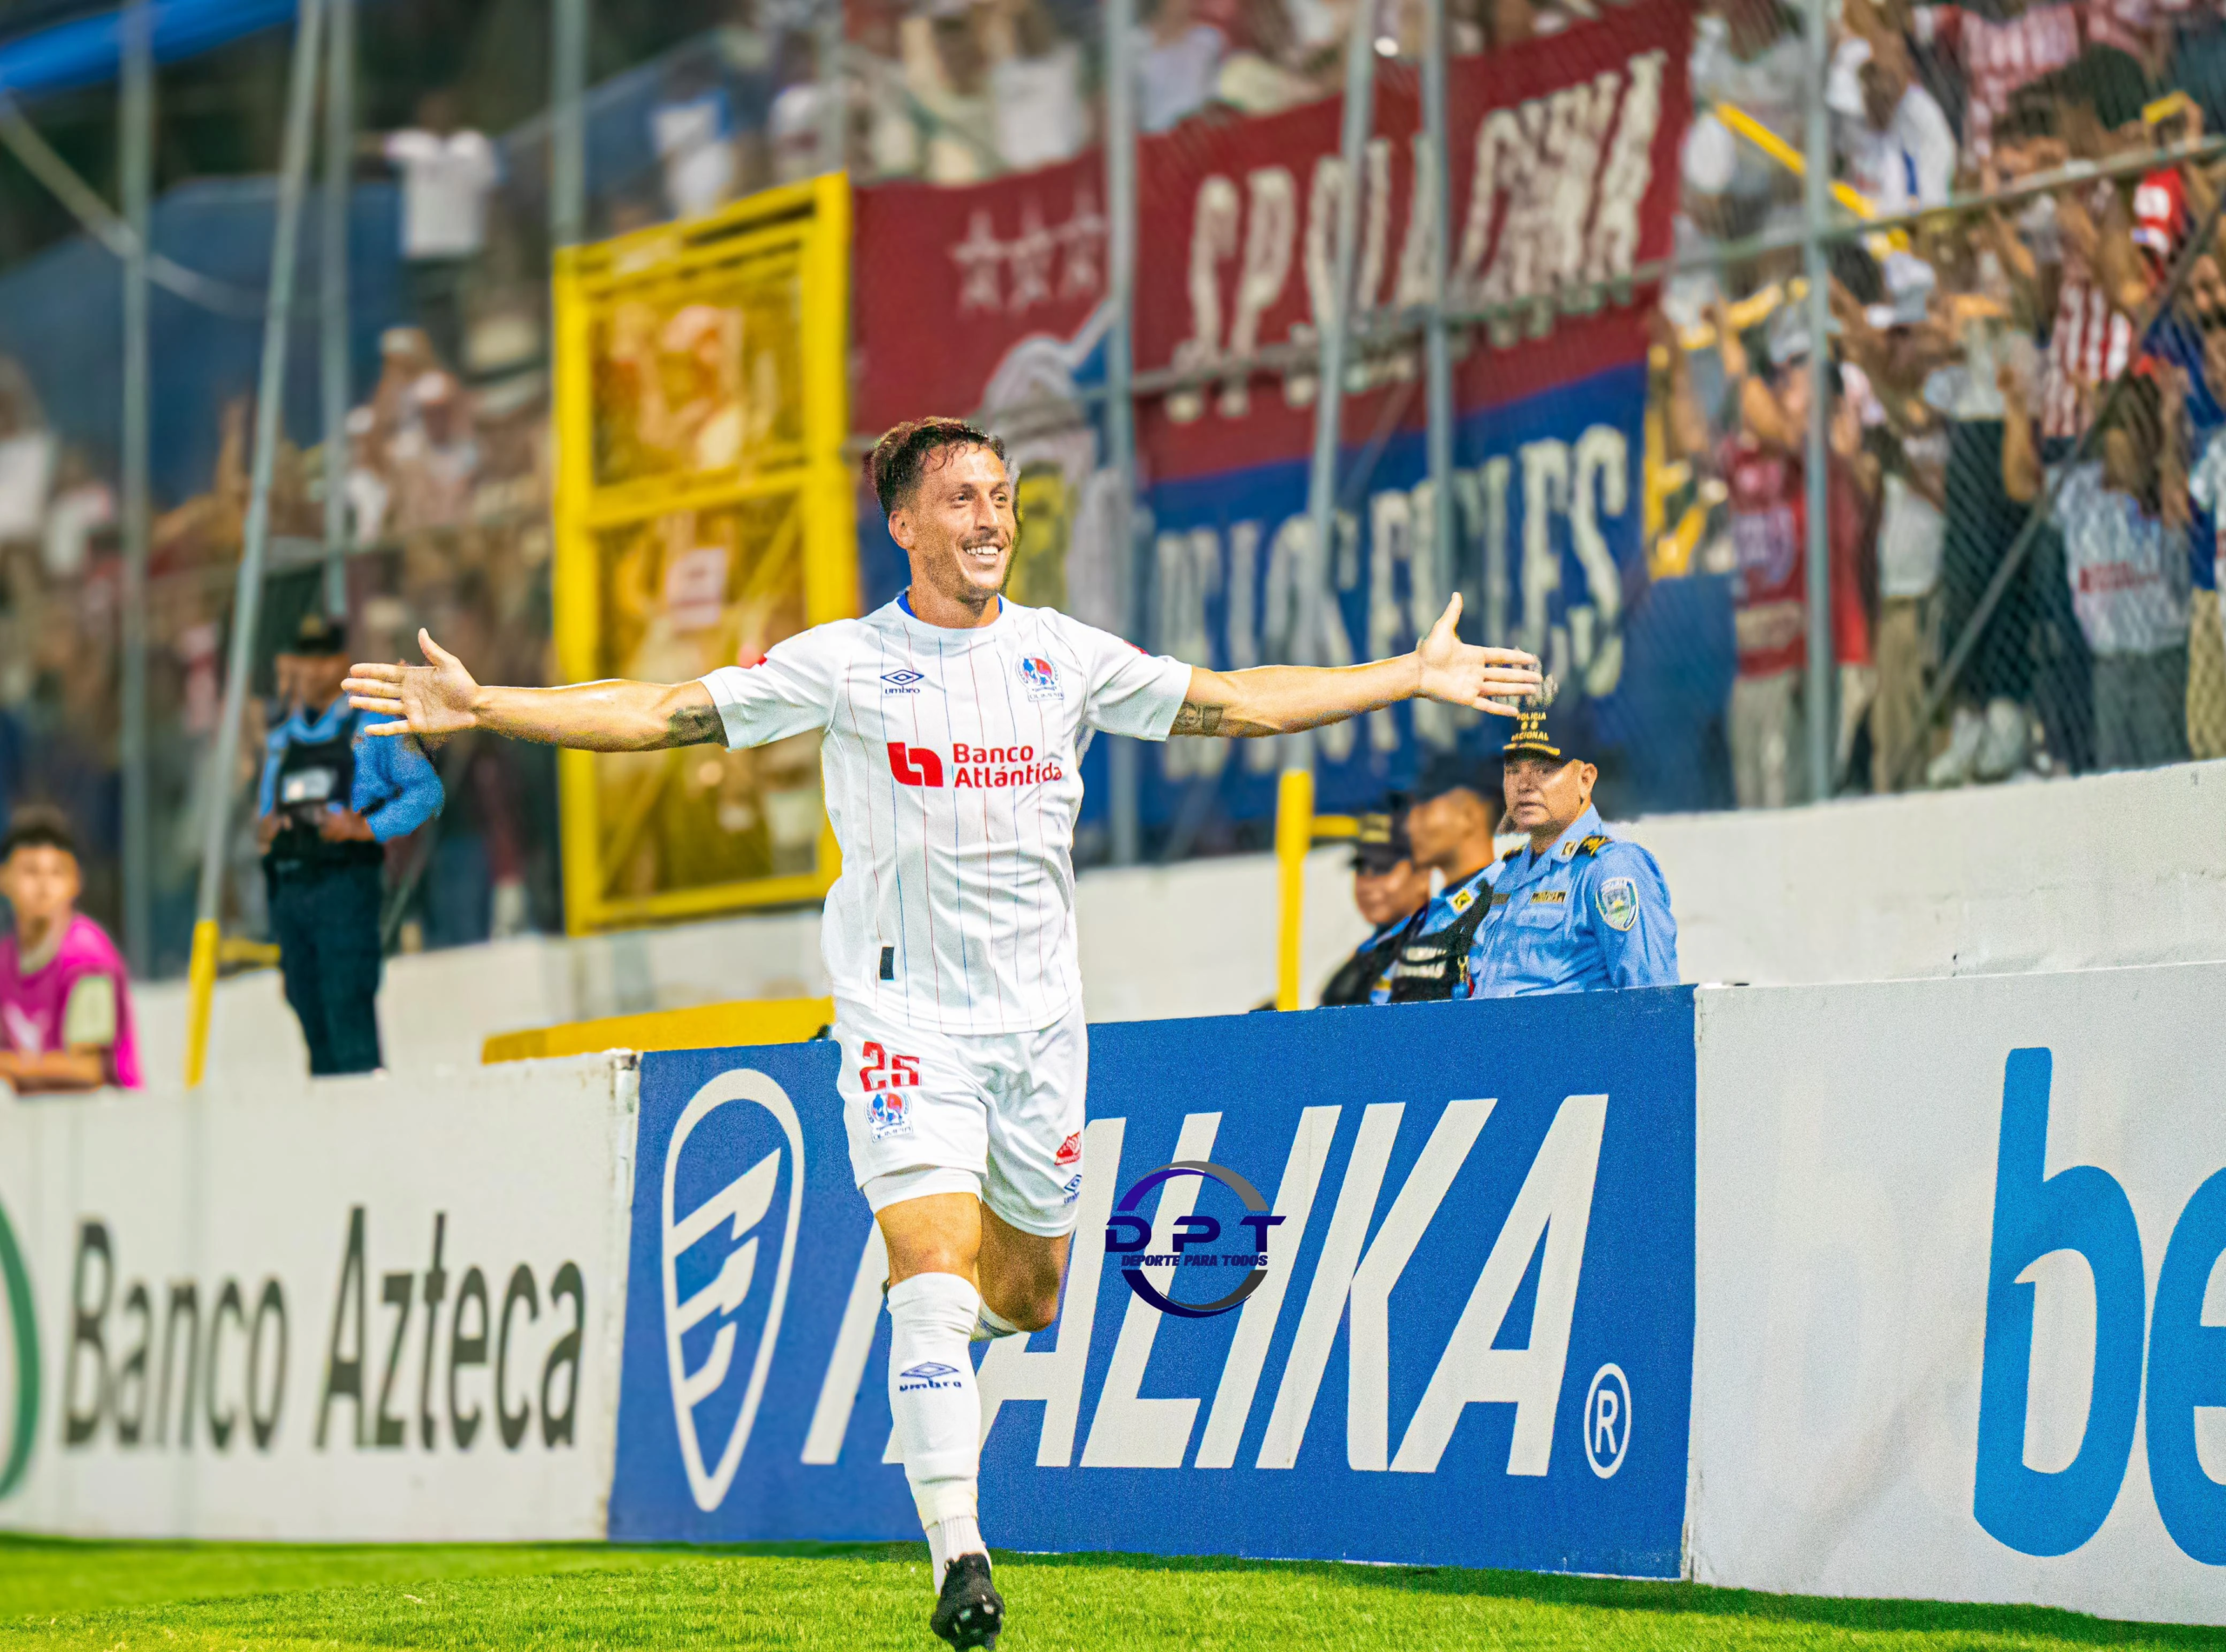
{"points": [[174, 1597]]}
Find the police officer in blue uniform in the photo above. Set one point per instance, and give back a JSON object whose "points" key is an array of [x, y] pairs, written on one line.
{"points": [[330, 801], [1388, 888], [1575, 909], [1451, 826]]}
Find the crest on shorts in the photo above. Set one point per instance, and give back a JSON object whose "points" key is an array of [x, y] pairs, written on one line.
{"points": [[1617, 898], [1039, 676], [1070, 1151], [888, 1114]]}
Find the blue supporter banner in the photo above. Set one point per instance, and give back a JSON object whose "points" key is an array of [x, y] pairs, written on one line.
{"points": [[1471, 1342]]}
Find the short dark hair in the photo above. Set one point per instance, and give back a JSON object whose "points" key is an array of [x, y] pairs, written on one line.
{"points": [[37, 828], [894, 465]]}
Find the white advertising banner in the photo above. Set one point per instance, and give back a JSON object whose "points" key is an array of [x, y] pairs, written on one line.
{"points": [[376, 1309], [1961, 1319]]}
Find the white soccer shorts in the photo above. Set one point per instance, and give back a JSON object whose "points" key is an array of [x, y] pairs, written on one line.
{"points": [[997, 1114]]}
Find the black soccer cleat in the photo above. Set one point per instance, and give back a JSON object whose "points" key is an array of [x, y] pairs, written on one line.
{"points": [[970, 1612]]}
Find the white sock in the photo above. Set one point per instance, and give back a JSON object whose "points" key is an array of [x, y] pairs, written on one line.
{"points": [[933, 1401], [989, 1324], [947, 1540]]}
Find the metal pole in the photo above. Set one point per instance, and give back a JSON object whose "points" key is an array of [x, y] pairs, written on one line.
{"points": [[1125, 760], [834, 89], [1329, 392], [294, 163], [568, 156], [136, 147], [332, 314], [1437, 342], [1817, 261], [1293, 837]]}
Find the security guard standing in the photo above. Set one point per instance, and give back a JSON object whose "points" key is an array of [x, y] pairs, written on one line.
{"points": [[1575, 909], [1450, 826], [1388, 888], [329, 803]]}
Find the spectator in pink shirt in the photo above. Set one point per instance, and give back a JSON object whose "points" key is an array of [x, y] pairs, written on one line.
{"points": [[65, 1007]]}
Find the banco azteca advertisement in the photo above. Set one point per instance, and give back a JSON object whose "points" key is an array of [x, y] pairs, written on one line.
{"points": [[377, 1311]]}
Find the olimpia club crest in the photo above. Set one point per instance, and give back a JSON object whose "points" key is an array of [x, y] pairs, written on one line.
{"points": [[19, 1369]]}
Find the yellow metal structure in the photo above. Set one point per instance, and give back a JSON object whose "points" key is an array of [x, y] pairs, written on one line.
{"points": [[703, 512], [1293, 836], [755, 1021], [200, 999]]}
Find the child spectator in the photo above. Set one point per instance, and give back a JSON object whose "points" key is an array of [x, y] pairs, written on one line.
{"points": [[65, 1007], [448, 171], [2124, 517]]}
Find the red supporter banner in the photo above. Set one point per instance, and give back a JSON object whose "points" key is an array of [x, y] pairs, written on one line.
{"points": [[1564, 153]]}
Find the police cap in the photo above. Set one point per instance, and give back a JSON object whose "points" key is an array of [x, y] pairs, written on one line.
{"points": [[317, 637], [1381, 843], [1534, 738]]}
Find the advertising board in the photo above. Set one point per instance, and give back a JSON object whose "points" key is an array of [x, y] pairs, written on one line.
{"points": [[1961, 1319], [1434, 1300], [366, 1310]]}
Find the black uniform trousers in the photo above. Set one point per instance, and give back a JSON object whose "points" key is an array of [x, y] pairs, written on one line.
{"points": [[326, 921]]}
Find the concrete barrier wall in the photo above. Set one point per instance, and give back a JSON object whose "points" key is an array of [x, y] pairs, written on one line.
{"points": [[2107, 871]]}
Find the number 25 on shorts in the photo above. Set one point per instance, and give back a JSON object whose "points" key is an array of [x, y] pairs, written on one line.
{"points": [[885, 1071]]}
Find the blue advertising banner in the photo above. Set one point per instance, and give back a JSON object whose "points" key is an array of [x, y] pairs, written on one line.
{"points": [[1407, 1284]]}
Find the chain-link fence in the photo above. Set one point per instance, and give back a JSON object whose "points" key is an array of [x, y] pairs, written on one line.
{"points": [[2024, 393]]}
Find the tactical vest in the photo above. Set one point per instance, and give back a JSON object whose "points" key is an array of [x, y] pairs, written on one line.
{"points": [[1431, 968], [313, 774], [1352, 983]]}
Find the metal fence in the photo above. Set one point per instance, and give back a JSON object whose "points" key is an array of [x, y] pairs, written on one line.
{"points": [[1978, 547]]}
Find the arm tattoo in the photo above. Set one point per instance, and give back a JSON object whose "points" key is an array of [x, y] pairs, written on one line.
{"points": [[1197, 719], [694, 725]]}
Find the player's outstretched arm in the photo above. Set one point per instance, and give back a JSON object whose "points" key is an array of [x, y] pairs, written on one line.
{"points": [[441, 698], [1280, 699]]}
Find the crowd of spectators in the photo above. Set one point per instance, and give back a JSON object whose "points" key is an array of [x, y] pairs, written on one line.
{"points": [[1974, 362], [1973, 367]]}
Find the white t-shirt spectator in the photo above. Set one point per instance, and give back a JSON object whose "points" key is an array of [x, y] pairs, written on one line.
{"points": [[2129, 572], [1909, 164], [1911, 529], [1040, 109], [793, 123], [26, 472], [445, 181], [70, 521], [1771, 86], [1176, 79], [695, 140]]}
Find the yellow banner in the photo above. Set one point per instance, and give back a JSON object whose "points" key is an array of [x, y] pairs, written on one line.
{"points": [[703, 512]]}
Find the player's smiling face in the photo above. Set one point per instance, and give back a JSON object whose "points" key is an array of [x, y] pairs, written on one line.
{"points": [[959, 526]]}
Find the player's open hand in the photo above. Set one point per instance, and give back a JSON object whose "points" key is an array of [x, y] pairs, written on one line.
{"points": [[1490, 679], [433, 699]]}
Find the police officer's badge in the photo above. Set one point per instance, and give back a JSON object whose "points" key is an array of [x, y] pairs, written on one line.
{"points": [[1617, 898]]}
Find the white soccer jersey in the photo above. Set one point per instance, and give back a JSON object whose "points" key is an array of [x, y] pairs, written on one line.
{"points": [[953, 771]]}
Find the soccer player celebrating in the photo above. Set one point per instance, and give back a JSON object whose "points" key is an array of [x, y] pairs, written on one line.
{"points": [[955, 723]]}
